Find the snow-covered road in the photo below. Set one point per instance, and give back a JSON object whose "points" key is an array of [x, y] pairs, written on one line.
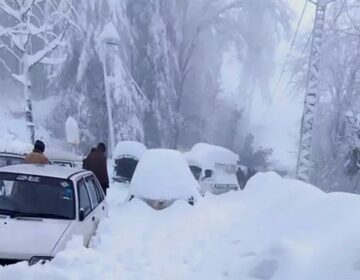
{"points": [[275, 229]]}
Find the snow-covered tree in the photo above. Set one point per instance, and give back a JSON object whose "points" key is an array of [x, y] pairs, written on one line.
{"points": [[335, 130], [30, 32]]}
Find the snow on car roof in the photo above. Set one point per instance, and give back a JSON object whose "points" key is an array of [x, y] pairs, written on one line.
{"points": [[163, 175], [15, 147], [208, 155], [41, 170], [191, 159], [130, 148]]}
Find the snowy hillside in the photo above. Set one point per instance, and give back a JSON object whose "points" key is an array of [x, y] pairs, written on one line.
{"points": [[276, 229]]}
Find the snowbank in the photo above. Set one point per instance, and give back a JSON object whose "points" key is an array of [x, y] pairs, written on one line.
{"points": [[208, 155], [129, 149], [163, 175], [276, 229]]}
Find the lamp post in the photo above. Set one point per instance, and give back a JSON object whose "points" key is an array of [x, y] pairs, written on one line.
{"points": [[108, 38]]}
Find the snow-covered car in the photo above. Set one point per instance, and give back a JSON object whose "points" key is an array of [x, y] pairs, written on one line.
{"points": [[217, 167], [64, 158], [42, 207], [162, 177], [127, 155], [13, 152], [10, 159]]}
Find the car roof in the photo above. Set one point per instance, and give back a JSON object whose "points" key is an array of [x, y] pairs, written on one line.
{"points": [[42, 170], [11, 155]]}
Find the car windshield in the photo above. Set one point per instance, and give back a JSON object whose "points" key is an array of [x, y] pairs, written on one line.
{"points": [[227, 168], [36, 196]]}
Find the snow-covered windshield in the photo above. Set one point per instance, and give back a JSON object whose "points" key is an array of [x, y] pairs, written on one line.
{"points": [[227, 168], [36, 196]]}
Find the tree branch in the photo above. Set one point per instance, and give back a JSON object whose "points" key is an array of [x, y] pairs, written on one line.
{"points": [[38, 56], [9, 10]]}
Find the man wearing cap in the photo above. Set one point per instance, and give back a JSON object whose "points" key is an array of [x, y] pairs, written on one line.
{"points": [[37, 155], [96, 162]]}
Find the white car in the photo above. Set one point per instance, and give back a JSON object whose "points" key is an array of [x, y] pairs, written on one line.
{"points": [[214, 167], [64, 158], [42, 207]]}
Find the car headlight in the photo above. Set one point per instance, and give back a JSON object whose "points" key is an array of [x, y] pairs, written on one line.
{"points": [[41, 260]]}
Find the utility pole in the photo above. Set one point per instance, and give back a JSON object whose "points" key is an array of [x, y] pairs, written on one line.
{"points": [[304, 163]]}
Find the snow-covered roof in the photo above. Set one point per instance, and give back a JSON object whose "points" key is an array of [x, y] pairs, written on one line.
{"points": [[208, 155], [129, 149], [15, 147], [41, 170], [72, 131], [163, 175], [191, 159], [57, 154]]}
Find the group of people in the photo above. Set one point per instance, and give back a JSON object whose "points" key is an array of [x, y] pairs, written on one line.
{"points": [[95, 161]]}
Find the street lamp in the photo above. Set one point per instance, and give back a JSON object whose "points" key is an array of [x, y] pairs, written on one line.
{"points": [[108, 38]]}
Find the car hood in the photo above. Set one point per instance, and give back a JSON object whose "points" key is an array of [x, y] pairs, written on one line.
{"points": [[22, 239]]}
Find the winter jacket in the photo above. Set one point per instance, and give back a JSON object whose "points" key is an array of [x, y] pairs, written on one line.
{"points": [[96, 162], [36, 157]]}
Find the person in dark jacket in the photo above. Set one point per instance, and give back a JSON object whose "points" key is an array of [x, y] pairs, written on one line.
{"points": [[37, 155], [96, 163]]}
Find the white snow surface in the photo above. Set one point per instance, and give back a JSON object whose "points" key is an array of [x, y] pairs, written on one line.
{"points": [[14, 146], [163, 175], [129, 148], [208, 155], [278, 229], [59, 154]]}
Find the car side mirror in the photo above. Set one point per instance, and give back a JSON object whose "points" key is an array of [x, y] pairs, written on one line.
{"points": [[81, 214], [208, 173]]}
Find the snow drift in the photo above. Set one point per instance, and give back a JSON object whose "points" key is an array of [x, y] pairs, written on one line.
{"points": [[276, 229]]}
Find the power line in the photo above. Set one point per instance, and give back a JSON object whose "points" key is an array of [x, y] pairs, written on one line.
{"points": [[291, 47]]}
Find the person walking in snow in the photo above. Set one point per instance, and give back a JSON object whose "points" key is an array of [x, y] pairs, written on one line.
{"points": [[37, 155], [96, 163]]}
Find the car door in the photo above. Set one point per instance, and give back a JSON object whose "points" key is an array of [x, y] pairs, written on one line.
{"points": [[97, 198], [101, 197], [86, 227]]}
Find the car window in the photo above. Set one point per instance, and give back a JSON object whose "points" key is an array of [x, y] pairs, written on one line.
{"points": [[92, 191], [84, 199], [62, 163], [99, 190]]}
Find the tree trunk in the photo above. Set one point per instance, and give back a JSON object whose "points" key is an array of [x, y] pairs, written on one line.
{"points": [[28, 103]]}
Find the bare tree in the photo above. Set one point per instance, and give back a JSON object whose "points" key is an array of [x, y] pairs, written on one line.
{"points": [[34, 29]]}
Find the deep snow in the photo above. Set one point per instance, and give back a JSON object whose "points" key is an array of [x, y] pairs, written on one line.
{"points": [[275, 229]]}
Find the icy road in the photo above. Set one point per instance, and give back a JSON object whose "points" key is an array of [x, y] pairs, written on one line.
{"points": [[275, 229]]}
